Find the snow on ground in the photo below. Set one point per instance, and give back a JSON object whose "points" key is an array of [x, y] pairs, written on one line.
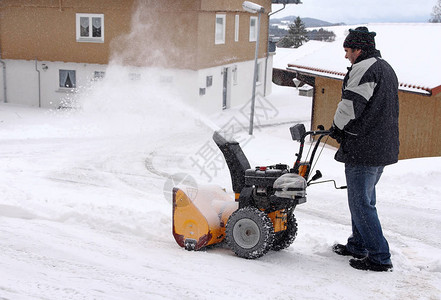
{"points": [[82, 217], [84, 213]]}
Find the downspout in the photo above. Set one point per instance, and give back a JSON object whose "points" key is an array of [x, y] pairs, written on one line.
{"points": [[5, 100], [39, 84], [267, 50]]}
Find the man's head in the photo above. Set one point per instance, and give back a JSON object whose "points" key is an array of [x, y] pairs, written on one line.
{"points": [[358, 40]]}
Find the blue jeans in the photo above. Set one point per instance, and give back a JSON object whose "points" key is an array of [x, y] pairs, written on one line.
{"points": [[367, 236]]}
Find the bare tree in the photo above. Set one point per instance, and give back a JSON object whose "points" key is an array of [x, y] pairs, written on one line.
{"points": [[436, 13]]}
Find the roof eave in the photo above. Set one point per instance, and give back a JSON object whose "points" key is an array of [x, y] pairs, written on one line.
{"points": [[339, 76]]}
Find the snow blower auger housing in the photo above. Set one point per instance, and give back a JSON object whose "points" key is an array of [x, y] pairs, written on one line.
{"points": [[261, 217]]}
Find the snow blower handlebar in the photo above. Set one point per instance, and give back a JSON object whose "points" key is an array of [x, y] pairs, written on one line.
{"points": [[299, 133]]}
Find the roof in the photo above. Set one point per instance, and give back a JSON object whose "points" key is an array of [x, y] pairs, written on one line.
{"points": [[411, 49], [338, 75]]}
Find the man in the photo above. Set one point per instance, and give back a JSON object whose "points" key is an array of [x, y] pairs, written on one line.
{"points": [[366, 126]]}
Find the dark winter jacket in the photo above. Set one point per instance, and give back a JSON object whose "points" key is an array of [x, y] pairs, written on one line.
{"points": [[368, 113]]}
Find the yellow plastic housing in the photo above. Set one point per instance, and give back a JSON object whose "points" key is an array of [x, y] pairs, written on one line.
{"points": [[200, 215]]}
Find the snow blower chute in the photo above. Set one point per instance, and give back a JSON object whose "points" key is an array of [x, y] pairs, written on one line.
{"points": [[261, 217]]}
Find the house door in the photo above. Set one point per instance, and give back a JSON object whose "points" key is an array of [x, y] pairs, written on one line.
{"points": [[225, 89]]}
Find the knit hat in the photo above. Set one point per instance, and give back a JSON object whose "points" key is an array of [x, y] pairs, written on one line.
{"points": [[360, 38]]}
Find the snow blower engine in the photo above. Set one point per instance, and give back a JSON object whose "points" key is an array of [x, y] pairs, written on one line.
{"points": [[261, 217]]}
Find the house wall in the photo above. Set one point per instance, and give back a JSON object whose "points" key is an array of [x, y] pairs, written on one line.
{"points": [[183, 32], [176, 35], [32, 85], [239, 89], [22, 83], [420, 121], [326, 95], [420, 118], [161, 35], [45, 32], [36, 83], [210, 54]]}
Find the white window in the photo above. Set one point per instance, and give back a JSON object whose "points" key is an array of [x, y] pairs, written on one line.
{"points": [[236, 28], [253, 29], [67, 79], [220, 29], [90, 28]]}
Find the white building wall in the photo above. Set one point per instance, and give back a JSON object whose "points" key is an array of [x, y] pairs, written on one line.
{"points": [[239, 85], [36, 83], [21, 80], [52, 96]]}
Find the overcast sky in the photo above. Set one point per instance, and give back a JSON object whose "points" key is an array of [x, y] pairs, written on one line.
{"points": [[356, 12]]}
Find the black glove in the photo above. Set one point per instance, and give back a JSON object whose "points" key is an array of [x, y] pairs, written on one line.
{"points": [[336, 133]]}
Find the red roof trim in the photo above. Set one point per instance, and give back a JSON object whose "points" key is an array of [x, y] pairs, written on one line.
{"points": [[433, 91], [317, 70], [418, 87]]}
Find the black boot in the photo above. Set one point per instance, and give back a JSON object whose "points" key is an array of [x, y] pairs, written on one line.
{"points": [[366, 264], [342, 250]]}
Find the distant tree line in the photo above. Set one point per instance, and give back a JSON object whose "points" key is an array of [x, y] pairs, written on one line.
{"points": [[321, 35], [297, 35], [436, 13], [277, 31]]}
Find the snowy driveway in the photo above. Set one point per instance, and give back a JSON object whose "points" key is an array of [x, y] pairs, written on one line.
{"points": [[83, 218]]}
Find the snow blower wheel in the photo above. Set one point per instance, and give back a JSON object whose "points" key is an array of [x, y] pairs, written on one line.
{"points": [[249, 233], [284, 239]]}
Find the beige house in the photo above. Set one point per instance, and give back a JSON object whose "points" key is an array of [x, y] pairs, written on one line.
{"points": [[49, 48]]}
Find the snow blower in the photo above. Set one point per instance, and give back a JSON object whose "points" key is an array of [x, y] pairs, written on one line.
{"points": [[261, 217]]}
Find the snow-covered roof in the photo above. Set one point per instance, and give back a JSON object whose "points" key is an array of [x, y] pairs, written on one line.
{"points": [[413, 50]]}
